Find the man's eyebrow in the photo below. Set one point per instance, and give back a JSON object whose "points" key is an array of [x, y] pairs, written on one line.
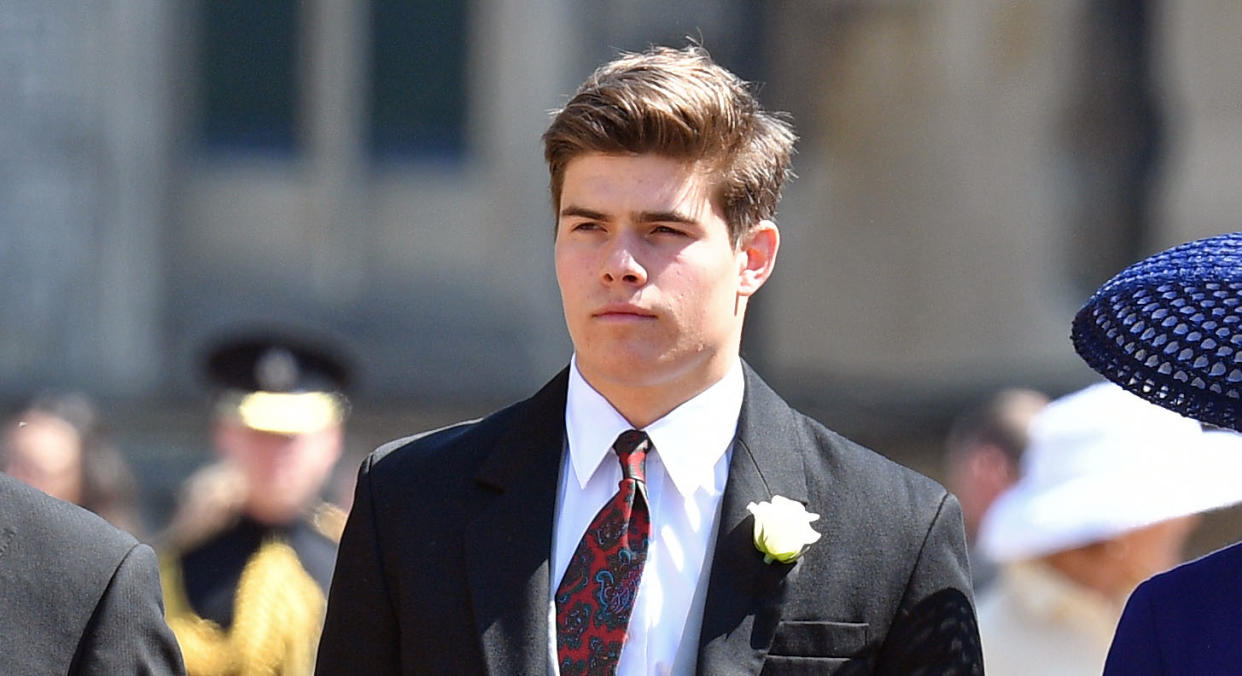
{"points": [[665, 217], [641, 217], [583, 212]]}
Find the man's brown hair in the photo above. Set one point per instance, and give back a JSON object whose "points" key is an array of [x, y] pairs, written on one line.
{"points": [[680, 104]]}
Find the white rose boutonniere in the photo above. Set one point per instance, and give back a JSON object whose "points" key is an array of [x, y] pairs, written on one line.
{"points": [[782, 529]]}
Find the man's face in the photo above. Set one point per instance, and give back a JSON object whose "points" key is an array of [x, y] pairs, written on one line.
{"points": [[654, 292], [283, 472], [46, 452]]}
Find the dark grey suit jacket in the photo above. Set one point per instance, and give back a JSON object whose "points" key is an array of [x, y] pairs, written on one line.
{"points": [[77, 596], [444, 565]]}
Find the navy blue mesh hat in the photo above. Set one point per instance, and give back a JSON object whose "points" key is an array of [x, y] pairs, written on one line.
{"points": [[1169, 329]]}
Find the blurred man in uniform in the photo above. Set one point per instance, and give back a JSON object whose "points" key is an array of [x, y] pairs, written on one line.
{"points": [[251, 551]]}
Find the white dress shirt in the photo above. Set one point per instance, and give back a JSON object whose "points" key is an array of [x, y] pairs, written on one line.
{"points": [[686, 476]]}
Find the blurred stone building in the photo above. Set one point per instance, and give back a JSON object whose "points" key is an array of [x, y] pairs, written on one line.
{"points": [[969, 171]]}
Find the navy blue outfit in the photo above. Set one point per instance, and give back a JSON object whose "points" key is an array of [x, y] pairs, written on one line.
{"points": [[1184, 621]]}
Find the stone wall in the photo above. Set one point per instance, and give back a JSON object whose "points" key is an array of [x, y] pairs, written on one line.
{"points": [[963, 185]]}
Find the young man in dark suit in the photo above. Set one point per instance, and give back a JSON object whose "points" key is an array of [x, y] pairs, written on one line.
{"points": [[77, 596], [520, 544]]}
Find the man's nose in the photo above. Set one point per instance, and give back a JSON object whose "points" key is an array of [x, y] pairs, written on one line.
{"points": [[622, 264]]}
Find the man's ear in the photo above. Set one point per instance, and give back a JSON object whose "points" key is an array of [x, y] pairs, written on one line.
{"points": [[757, 256]]}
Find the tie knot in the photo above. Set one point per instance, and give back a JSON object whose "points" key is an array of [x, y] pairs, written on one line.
{"points": [[631, 448]]}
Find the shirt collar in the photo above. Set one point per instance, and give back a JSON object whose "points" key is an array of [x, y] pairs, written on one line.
{"points": [[689, 440]]}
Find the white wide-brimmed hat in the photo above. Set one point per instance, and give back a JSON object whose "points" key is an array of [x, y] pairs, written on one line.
{"points": [[1102, 462]]}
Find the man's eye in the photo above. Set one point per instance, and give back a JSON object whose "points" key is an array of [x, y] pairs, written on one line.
{"points": [[667, 230]]}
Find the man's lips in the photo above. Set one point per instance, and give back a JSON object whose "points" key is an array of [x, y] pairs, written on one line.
{"points": [[623, 313]]}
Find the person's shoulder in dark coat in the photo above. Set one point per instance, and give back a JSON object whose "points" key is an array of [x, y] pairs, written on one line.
{"points": [[1183, 621], [77, 596]]}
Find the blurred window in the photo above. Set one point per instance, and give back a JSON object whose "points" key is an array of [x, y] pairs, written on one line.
{"points": [[417, 96], [248, 66]]}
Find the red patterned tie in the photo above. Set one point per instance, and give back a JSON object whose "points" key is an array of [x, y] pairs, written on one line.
{"points": [[596, 595]]}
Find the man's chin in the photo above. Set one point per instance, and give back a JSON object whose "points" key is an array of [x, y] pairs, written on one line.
{"points": [[623, 371], [633, 371]]}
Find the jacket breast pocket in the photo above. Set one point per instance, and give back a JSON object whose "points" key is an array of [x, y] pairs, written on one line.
{"points": [[780, 665], [804, 638]]}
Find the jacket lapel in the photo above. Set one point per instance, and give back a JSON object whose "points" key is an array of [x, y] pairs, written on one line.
{"points": [[744, 594], [509, 543]]}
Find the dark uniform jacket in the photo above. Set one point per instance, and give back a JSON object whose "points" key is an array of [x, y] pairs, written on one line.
{"points": [[444, 564], [250, 598]]}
